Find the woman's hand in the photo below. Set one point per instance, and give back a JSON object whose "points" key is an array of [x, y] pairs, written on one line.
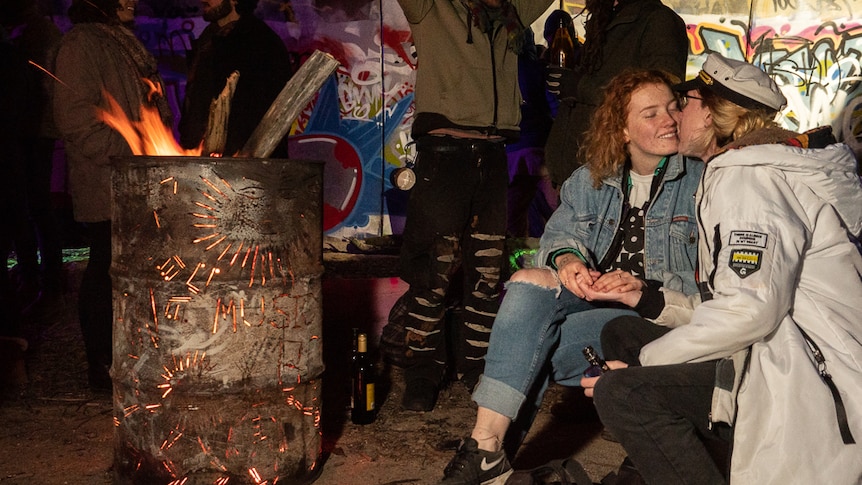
{"points": [[616, 286], [589, 383], [575, 275]]}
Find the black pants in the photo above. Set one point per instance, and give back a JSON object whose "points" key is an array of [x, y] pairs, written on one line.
{"points": [[660, 414], [456, 223], [95, 308]]}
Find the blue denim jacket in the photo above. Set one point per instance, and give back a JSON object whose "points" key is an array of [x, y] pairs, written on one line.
{"points": [[588, 218]]}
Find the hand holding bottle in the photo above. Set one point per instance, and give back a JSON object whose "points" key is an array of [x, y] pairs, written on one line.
{"points": [[589, 383]]}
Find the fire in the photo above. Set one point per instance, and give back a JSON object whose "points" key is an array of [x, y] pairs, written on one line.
{"points": [[149, 136]]}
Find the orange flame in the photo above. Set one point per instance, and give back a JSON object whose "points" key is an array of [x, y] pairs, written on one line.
{"points": [[149, 136]]}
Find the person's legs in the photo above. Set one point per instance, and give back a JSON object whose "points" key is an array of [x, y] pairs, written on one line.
{"points": [[525, 332], [623, 337], [40, 163], [95, 305], [660, 414], [438, 210], [483, 256]]}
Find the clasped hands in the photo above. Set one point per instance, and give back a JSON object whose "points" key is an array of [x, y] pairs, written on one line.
{"points": [[591, 285]]}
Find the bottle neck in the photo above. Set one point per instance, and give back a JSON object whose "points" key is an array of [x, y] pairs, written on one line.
{"points": [[362, 343]]}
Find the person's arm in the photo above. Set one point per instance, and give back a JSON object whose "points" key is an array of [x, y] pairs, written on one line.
{"points": [[565, 230], [757, 240]]}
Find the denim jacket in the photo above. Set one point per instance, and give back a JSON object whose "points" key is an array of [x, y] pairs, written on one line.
{"points": [[587, 220]]}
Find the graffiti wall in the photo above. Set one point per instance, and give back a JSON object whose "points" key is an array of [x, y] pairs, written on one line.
{"points": [[813, 50], [359, 123]]}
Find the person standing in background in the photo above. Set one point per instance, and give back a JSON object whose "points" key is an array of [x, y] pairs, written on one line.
{"points": [[619, 34], [98, 56], [235, 40], [467, 108], [37, 238]]}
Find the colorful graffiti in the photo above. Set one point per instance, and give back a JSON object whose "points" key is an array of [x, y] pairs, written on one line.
{"points": [[360, 122]]}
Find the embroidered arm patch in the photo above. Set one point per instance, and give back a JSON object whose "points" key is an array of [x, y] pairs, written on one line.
{"points": [[745, 262], [748, 238]]}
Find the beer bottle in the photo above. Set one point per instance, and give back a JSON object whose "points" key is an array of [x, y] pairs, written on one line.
{"points": [[562, 49], [597, 364], [363, 411]]}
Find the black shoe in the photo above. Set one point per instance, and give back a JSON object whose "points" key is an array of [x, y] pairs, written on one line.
{"points": [[471, 379], [472, 466], [420, 395]]}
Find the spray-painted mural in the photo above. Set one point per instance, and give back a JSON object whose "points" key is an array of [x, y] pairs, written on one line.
{"points": [[360, 121], [813, 50]]}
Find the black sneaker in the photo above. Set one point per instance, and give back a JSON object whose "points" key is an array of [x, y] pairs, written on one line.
{"points": [[472, 466], [420, 395]]}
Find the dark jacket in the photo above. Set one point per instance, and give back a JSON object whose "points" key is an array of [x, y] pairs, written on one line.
{"points": [[643, 34], [250, 47]]}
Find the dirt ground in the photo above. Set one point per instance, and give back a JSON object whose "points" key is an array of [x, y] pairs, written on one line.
{"points": [[56, 431]]}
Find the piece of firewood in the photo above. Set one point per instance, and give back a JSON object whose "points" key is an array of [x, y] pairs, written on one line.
{"points": [[289, 104], [215, 137]]}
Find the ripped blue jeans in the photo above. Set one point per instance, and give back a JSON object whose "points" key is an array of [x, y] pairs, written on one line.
{"points": [[538, 336]]}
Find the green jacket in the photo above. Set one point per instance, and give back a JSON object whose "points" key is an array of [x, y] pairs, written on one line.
{"points": [[469, 85]]}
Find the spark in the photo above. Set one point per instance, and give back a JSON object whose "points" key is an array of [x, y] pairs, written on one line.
{"points": [[37, 66], [156, 217]]}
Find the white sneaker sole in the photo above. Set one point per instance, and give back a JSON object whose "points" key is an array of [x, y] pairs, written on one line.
{"points": [[499, 479]]}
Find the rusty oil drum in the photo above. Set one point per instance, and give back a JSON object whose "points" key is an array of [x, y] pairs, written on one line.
{"points": [[217, 355]]}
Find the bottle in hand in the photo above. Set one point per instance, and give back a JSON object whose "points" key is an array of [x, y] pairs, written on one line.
{"points": [[364, 408], [597, 364], [562, 49]]}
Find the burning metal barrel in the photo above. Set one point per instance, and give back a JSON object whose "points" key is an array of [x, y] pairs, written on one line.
{"points": [[217, 266]]}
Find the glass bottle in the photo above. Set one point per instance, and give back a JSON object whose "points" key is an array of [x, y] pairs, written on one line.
{"points": [[562, 49], [364, 408], [597, 364]]}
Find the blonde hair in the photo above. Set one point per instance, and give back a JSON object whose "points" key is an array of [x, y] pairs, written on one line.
{"points": [[604, 148], [731, 121]]}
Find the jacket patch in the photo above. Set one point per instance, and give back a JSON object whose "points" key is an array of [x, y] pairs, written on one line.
{"points": [[748, 238], [745, 263]]}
